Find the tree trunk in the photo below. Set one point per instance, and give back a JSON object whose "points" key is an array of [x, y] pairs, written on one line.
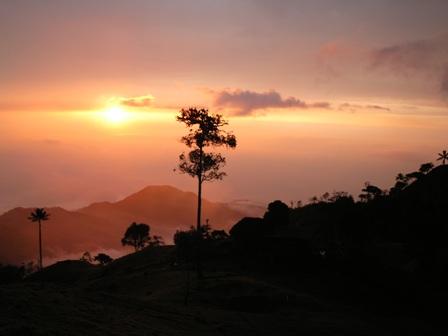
{"points": [[198, 217], [40, 246]]}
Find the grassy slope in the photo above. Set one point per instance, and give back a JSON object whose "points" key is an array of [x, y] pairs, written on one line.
{"points": [[143, 294]]}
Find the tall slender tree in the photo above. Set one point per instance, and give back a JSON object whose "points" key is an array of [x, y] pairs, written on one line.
{"points": [[443, 157], [39, 215], [204, 131]]}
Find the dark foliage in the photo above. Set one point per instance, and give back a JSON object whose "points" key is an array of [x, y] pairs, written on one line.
{"points": [[277, 214], [137, 236], [403, 231], [370, 192], [155, 241], [103, 259], [87, 257], [186, 241]]}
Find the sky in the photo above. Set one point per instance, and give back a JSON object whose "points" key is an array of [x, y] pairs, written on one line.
{"points": [[322, 95]]}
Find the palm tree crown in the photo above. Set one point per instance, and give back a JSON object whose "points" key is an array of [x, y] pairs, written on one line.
{"points": [[38, 215], [443, 156]]}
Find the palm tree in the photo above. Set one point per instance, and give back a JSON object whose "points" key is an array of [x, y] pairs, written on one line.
{"points": [[39, 215], [443, 156]]}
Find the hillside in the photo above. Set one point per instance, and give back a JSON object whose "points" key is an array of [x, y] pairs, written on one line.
{"points": [[333, 267], [143, 294], [100, 226], [429, 191]]}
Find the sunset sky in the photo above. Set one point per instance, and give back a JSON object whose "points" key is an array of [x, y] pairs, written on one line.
{"points": [[322, 95]]}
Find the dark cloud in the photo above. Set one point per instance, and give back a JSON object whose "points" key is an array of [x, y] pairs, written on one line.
{"points": [[428, 56], [140, 101], [246, 102], [354, 107], [405, 57], [377, 107]]}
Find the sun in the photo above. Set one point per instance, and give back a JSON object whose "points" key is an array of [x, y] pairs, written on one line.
{"points": [[115, 115]]}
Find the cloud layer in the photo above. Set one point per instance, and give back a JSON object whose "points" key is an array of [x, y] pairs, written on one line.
{"points": [[140, 101], [355, 107], [246, 102], [427, 57]]}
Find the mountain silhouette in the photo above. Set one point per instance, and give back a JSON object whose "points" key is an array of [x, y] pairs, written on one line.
{"points": [[100, 226]]}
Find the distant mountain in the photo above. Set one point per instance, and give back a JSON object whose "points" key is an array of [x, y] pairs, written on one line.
{"points": [[100, 226]]}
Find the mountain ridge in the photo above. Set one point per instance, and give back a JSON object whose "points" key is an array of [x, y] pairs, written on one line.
{"points": [[100, 225]]}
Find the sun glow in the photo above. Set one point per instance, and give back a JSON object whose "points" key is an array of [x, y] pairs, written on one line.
{"points": [[115, 115]]}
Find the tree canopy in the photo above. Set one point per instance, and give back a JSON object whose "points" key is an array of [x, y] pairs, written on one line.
{"points": [[136, 235], [204, 129]]}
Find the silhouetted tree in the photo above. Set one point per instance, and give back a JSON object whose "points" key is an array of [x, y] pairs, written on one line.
{"points": [[295, 205], [206, 230], [425, 168], [340, 196], [325, 197], [156, 241], [277, 214], [415, 175], [443, 157], [102, 259], [86, 257], [402, 178], [219, 235], [204, 130], [370, 192], [39, 215], [186, 240], [136, 235], [401, 182]]}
